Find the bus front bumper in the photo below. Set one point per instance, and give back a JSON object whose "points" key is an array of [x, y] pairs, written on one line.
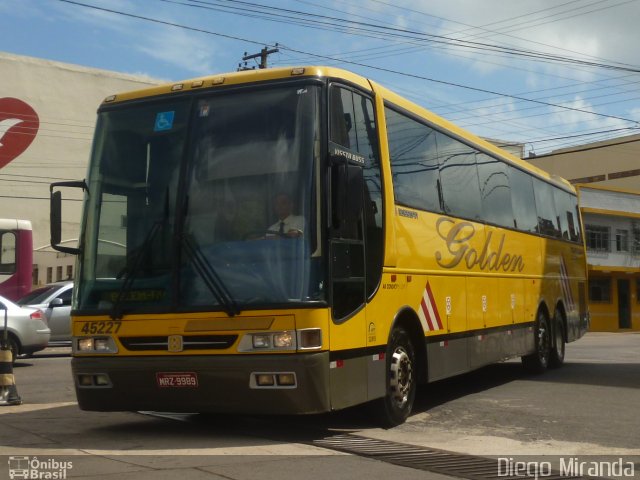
{"points": [[195, 384]]}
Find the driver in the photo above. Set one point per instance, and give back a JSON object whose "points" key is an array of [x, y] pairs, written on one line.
{"points": [[288, 225]]}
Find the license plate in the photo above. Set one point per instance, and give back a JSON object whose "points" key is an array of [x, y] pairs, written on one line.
{"points": [[177, 379]]}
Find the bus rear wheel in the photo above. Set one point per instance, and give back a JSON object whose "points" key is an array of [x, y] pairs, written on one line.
{"points": [[538, 361], [556, 359], [394, 408]]}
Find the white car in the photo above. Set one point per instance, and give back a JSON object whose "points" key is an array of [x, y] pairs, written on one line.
{"points": [[27, 329], [54, 299]]}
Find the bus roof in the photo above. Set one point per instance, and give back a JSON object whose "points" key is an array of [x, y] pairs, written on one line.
{"points": [[14, 224], [238, 78], [269, 74]]}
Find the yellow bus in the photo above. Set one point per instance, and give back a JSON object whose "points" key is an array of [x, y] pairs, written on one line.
{"points": [[301, 240]]}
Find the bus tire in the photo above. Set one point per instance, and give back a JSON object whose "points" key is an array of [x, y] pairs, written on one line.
{"points": [[538, 361], [556, 357], [401, 380]]}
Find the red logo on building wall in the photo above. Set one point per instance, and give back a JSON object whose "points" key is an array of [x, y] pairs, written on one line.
{"points": [[19, 125]]}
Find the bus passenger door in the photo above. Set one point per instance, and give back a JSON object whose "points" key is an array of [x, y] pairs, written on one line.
{"points": [[355, 238]]}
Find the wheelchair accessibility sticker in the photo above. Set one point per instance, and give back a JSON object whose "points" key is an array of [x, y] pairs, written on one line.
{"points": [[164, 121]]}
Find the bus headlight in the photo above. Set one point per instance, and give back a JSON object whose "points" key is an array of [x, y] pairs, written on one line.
{"points": [[95, 345], [261, 341], [283, 340]]}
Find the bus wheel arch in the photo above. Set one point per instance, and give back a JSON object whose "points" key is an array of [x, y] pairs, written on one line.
{"points": [[405, 363], [538, 360], [409, 321], [559, 336]]}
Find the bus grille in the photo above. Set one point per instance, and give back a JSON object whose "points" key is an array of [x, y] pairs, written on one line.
{"points": [[192, 342]]}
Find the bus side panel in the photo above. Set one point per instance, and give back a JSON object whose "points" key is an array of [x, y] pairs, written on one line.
{"points": [[348, 362], [447, 358]]}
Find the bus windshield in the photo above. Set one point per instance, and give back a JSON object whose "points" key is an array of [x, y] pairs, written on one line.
{"points": [[205, 203]]}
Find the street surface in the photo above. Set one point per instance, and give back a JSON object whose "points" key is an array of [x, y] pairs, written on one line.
{"points": [[588, 407]]}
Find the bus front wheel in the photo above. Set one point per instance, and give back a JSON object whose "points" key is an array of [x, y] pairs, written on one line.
{"points": [[538, 360], [394, 408]]}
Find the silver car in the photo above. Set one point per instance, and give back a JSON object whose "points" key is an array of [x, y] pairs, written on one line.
{"points": [[27, 329], [54, 300]]}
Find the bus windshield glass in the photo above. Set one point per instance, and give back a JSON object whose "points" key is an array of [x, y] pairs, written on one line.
{"points": [[205, 203]]}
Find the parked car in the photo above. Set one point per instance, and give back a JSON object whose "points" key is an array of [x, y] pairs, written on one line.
{"points": [[27, 329], [54, 300]]}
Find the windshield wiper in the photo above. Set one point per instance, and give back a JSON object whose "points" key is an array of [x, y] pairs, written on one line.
{"points": [[210, 277], [116, 313]]}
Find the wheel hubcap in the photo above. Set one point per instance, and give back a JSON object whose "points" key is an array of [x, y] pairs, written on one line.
{"points": [[401, 377], [543, 341]]}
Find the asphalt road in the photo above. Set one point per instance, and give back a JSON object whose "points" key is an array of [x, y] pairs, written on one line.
{"points": [[588, 407]]}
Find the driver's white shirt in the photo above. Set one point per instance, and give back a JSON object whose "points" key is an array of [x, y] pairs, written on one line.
{"points": [[292, 222]]}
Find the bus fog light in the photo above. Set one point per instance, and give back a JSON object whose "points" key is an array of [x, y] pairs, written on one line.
{"points": [[85, 380], [264, 380], [85, 344], [283, 340], [286, 379], [102, 344], [102, 380], [261, 341], [310, 338]]}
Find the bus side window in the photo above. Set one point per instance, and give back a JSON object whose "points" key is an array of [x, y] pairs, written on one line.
{"points": [[563, 205], [414, 162], [547, 217], [495, 191], [523, 202], [459, 177]]}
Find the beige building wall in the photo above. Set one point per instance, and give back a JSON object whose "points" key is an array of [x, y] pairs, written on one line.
{"points": [[611, 163], [65, 98]]}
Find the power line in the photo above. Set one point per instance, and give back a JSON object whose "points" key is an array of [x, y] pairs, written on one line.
{"points": [[388, 70], [294, 15]]}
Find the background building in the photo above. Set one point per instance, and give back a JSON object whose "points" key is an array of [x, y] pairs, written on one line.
{"points": [[608, 174], [611, 163], [50, 108], [612, 233]]}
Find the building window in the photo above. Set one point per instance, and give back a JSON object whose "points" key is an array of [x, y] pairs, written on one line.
{"points": [[600, 290], [69, 272], [635, 240], [34, 276], [58, 273], [49, 274], [622, 240], [597, 238]]}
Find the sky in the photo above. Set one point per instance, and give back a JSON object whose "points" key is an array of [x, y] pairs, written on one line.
{"points": [[546, 73]]}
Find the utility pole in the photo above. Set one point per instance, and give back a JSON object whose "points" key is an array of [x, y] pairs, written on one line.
{"points": [[264, 53]]}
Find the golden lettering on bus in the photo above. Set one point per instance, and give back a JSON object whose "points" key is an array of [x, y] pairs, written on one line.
{"points": [[458, 240]]}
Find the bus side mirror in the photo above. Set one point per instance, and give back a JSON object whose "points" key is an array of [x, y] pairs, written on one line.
{"points": [[55, 215]]}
